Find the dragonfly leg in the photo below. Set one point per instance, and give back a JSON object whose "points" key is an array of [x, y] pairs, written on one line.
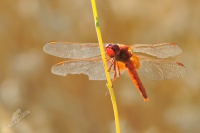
{"points": [[118, 68], [111, 64], [115, 70]]}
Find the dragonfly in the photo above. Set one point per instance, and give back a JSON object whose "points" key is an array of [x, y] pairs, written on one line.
{"points": [[148, 60]]}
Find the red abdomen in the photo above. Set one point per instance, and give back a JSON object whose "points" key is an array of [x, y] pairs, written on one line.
{"points": [[135, 78]]}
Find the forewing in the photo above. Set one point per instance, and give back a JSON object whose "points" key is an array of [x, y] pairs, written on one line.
{"points": [[158, 69], [162, 50], [72, 50], [93, 67]]}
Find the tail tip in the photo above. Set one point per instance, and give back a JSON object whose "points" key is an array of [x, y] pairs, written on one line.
{"points": [[146, 99]]}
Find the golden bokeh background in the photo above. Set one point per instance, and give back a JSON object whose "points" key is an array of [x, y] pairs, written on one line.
{"points": [[73, 104]]}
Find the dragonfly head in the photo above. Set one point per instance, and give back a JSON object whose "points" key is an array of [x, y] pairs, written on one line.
{"points": [[112, 50]]}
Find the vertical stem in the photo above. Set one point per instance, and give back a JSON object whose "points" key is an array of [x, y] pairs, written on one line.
{"points": [[109, 82]]}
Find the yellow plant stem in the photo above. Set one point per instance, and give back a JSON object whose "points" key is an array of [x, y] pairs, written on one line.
{"points": [[109, 82]]}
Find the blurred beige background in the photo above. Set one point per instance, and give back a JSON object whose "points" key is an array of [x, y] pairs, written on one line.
{"points": [[73, 104]]}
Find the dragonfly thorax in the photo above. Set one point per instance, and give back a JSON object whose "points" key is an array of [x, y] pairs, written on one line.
{"points": [[124, 55]]}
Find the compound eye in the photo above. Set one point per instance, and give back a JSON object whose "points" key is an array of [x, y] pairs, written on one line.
{"points": [[109, 45], [112, 50], [116, 49]]}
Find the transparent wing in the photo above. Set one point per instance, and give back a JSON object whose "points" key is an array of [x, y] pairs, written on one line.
{"points": [[72, 50], [93, 67], [162, 50], [158, 69]]}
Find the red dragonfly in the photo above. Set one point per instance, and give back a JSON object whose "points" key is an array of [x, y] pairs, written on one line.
{"points": [[85, 58]]}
